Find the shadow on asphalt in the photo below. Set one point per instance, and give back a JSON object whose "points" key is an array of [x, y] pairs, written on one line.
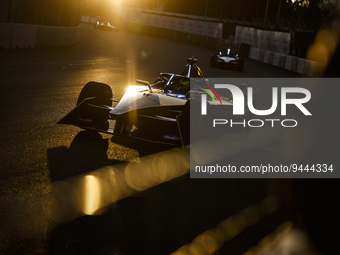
{"points": [[86, 153]]}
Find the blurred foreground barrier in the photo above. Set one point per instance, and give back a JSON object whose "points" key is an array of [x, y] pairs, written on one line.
{"points": [[211, 240], [278, 240]]}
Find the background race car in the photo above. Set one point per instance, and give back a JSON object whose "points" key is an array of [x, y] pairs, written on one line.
{"points": [[228, 60], [104, 25]]}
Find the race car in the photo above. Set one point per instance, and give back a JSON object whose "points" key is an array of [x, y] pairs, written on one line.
{"points": [[105, 25], [158, 112], [227, 60]]}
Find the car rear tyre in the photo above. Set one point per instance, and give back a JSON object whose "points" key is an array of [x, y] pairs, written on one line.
{"points": [[101, 91], [200, 122], [185, 123], [213, 59], [102, 94]]}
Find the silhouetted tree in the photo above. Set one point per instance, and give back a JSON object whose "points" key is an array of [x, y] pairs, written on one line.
{"points": [[295, 11]]}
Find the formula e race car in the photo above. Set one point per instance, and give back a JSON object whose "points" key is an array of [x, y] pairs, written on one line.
{"points": [[105, 25], [157, 112], [227, 60]]}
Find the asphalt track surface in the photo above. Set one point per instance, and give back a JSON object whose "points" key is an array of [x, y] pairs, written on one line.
{"points": [[38, 87]]}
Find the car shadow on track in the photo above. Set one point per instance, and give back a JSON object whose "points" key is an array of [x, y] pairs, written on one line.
{"points": [[86, 153]]}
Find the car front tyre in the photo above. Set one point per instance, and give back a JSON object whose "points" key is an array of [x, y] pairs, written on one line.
{"points": [[240, 66]]}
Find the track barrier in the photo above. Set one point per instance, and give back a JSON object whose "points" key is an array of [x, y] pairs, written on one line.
{"points": [[67, 36], [266, 57], [276, 59], [261, 55], [23, 36], [5, 35], [298, 65], [292, 63], [47, 37], [18, 36]]}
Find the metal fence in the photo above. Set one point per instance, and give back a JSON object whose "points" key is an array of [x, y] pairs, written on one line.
{"points": [[41, 12]]}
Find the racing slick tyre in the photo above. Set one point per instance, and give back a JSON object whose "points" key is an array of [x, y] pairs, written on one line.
{"points": [[102, 94], [240, 65], [201, 124], [213, 60], [185, 123], [101, 91]]}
